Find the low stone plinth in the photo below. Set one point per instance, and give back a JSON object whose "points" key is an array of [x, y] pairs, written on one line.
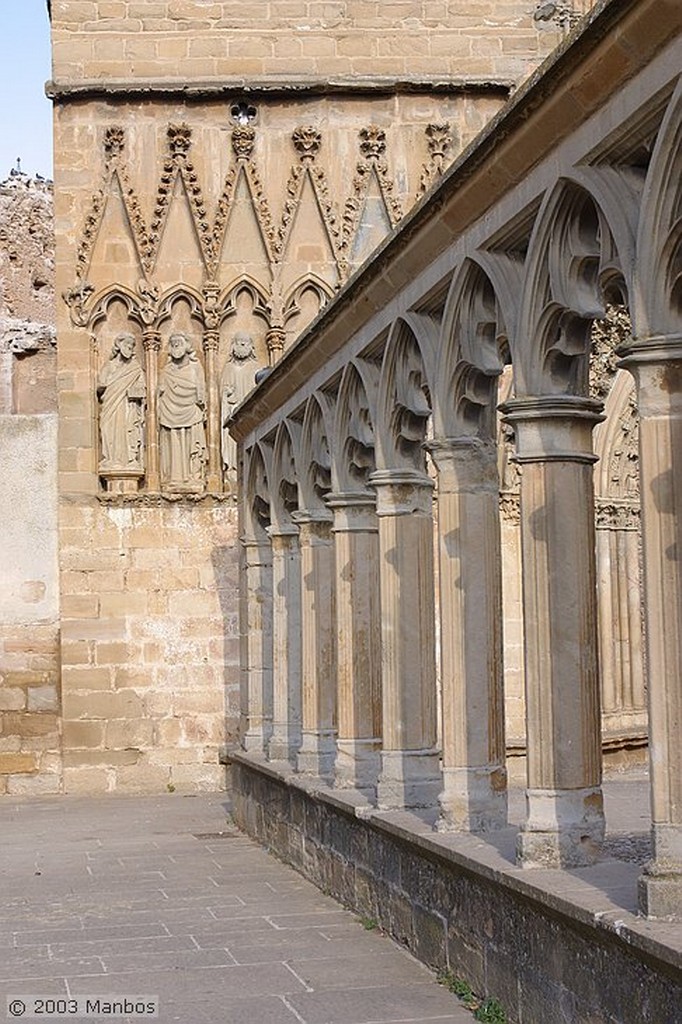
{"points": [[551, 945]]}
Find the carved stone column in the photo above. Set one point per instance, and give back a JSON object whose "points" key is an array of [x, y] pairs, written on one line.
{"points": [[286, 643], [410, 773], [474, 795], [274, 339], [211, 340], [656, 365], [358, 638], [318, 655], [565, 819], [151, 342], [256, 644]]}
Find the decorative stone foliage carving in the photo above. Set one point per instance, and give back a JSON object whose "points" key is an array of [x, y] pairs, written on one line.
{"points": [[439, 138], [372, 149]]}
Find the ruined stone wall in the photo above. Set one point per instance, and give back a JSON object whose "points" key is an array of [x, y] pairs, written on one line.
{"points": [[30, 740]]}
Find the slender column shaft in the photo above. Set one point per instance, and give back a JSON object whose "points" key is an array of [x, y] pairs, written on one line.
{"points": [[151, 341], [474, 795], [656, 365], [285, 738], [214, 479], [564, 824], [410, 773], [358, 637], [256, 643], [318, 670]]}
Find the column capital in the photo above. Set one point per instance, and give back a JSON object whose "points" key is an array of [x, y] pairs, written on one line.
{"points": [[657, 348], [656, 365], [401, 492], [354, 511], [553, 428], [281, 530], [211, 340], [151, 339], [309, 516], [464, 463]]}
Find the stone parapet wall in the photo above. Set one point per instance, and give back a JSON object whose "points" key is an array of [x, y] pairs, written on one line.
{"points": [[550, 946], [185, 40]]}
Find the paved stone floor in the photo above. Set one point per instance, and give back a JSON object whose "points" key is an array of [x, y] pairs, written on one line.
{"points": [[159, 896]]}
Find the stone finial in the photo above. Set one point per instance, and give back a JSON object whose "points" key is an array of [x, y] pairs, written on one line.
{"points": [[439, 139], [307, 140], [243, 138], [179, 138], [372, 142], [114, 141]]}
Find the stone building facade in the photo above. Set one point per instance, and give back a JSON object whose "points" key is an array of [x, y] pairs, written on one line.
{"points": [[221, 170]]}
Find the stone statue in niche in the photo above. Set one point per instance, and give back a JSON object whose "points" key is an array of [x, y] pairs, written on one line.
{"points": [[182, 418], [121, 391], [237, 379]]}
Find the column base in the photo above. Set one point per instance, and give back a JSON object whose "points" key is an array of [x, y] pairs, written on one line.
{"points": [[660, 893], [660, 884], [283, 744], [255, 740], [563, 829], [317, 754], [409, 779], [357, 766], [473, 799]]}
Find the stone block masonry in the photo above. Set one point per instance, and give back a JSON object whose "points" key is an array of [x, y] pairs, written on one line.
{"points": [[186, 40]]}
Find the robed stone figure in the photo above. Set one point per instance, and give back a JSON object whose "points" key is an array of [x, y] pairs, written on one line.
{"points": [[121, 390], [236, 381], [182, 418]]}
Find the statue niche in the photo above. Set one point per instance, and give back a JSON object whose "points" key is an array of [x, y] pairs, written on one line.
{"points": [[182, 418], [121, 391], [238, 378]]}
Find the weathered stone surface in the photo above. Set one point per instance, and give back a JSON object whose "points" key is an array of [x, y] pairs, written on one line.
{"points": [[460, 905]]}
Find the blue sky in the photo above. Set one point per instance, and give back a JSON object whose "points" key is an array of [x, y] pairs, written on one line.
{"points": [[25, 113]]}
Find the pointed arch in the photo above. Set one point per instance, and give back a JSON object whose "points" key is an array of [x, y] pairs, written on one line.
{"points": [[405, 393], [231, 294], [473, 350], [284, 484], [315, 458], [573, 264], [659, 239], [257, 505], [100, 303], [181, 292], [354, 441], [310, 282]]}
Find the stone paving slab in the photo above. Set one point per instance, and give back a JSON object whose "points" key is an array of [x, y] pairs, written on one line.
{"points": [[162, 896]]}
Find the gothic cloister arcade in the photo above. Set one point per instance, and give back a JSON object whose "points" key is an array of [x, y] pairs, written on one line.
{"points": [[548, 259]]}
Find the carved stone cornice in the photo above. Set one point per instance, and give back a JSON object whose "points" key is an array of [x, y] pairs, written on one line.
{"points": [[612, 514], [510, 507], [147, 499]]}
